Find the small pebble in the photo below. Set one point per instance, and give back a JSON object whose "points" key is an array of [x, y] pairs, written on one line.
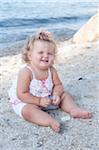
{"points": [[65, 118]]}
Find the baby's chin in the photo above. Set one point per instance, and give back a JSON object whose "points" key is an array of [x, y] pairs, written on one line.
{"points": [[44, 67]]}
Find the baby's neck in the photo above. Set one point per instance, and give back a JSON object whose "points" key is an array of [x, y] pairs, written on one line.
{"points": [[40, 74]]}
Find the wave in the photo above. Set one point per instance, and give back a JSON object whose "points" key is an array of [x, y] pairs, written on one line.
{"points": [[16, 22]]}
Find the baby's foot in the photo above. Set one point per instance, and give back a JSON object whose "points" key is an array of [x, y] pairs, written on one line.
{"points": [[80, 113], [55, 126]]}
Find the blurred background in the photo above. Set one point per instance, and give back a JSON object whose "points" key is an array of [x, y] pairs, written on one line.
{"points": [[20, 18]]}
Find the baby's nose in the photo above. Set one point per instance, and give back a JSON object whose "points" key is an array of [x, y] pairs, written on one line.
{"points": [[45, 55]]}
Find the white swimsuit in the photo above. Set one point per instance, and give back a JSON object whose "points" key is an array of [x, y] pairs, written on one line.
{"points": [[39, 88]]}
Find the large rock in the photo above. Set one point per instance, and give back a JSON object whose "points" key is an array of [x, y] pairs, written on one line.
{"points": [[89, 31]]}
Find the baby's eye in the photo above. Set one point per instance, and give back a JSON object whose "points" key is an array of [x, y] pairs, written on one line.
{"points": [[41, 52], [50, 53]]}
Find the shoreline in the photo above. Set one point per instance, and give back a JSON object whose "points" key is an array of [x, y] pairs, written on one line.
{"points": [[78, 68]]}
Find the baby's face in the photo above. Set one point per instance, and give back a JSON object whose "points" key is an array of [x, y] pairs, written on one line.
{"points": [[43, 54]]}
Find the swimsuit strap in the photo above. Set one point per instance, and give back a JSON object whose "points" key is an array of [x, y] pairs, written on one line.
{"points": [[49, 73], [33, 74]]}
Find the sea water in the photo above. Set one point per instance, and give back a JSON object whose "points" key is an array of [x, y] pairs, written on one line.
{"points": [[21, 18]]}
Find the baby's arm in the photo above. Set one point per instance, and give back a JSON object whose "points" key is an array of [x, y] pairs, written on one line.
{"points": [[58, 87], [23, 83], [24, 79]]}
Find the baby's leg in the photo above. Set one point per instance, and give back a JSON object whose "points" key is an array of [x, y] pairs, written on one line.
{"points": [[35, 115], [69, 106]]}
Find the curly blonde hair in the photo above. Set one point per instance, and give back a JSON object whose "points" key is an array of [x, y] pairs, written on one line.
{"points": [[41, 36]]}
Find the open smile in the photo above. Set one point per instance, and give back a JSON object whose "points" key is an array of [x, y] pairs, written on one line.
{"points": [[45, 61]]}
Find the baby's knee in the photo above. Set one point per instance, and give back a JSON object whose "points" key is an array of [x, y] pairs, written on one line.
{"points": [[27, 111], [26, 114], [66, 95], [63, 95]]}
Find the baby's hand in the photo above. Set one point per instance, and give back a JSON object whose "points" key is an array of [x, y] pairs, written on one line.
{"points": [[56, 100], [45, 101]]}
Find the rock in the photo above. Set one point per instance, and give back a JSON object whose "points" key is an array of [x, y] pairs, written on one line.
{"points": [[89, 32]]}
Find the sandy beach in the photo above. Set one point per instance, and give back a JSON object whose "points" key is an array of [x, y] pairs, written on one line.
{"points": [[78, 68]]}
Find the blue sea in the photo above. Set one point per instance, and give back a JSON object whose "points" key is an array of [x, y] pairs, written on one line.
{"points": [[21, 18]]}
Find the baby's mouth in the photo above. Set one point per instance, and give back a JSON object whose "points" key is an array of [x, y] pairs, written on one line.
{"points": [[46, 61]]}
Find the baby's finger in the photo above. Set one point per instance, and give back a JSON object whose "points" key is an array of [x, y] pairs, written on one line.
{"points": [[54, 102], [49, 101]]}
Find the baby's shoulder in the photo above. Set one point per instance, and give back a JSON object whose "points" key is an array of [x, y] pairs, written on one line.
{"points": [[25, 72], [53, 69]]}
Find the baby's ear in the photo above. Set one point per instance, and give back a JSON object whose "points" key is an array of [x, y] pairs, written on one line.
{"points": [[29, 55]]}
